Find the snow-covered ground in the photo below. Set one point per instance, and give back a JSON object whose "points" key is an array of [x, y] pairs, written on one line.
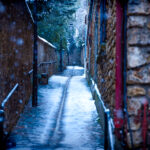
{"points": [[65, 118]]}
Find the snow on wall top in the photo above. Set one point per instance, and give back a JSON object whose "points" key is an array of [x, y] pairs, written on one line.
{"points": [[45, 41]]}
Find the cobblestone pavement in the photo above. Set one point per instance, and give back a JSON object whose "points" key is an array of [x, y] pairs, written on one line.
{"points": [[65, 118]]}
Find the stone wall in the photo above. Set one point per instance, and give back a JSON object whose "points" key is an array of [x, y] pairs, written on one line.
{"points": [[138, 73], [106, 58], [103, 73], [91, 41], [92, 46], [138, 65]]}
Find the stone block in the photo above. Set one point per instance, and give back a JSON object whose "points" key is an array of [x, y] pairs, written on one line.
{"points": [[148, 25], [136, 57], [140, 76], [137, 138], [138, 36], [135, 123], [139, 8], [136, 21], [134, 105], [135, 91]]}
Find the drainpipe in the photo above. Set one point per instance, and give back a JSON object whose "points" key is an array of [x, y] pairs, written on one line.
{"points": [[125, 74], [144, 124], [118, 114], [102, 21], [96, 42], [85, 50]]}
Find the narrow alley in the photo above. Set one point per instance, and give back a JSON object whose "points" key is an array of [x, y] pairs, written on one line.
{"points": [[65, 117], [74, 75]]}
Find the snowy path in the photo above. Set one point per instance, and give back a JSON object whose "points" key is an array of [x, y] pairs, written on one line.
{"points": [[65, 119]]}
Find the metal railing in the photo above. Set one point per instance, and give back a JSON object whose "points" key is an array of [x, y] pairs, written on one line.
{"points": [[2, 115], [105, 119], [108, 132], [43, 63]]}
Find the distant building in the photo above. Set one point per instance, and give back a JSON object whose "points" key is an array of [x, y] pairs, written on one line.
{"points": [[118, 61]]}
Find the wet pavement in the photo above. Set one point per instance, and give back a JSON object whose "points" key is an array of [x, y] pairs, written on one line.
{"points": [[65, 118]]}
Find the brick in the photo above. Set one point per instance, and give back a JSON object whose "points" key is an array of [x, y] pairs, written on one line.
{"points": [[134, 105], [140, 76], [136, 21], [135, 91]]}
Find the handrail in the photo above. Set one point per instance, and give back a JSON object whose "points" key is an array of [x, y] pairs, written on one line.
{"points": [[49, 62], [8, 96], [2, 115], [109, 139], [108, 125]]}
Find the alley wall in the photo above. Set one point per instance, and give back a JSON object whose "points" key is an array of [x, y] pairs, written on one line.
{"points": [[101, 57], [16, 58], [16, 34], [109, 39]]}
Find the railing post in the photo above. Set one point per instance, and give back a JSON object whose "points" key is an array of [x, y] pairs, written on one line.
{"points": [[1, 128], [106, 132]]}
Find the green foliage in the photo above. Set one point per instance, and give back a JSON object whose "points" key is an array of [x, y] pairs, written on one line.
{"points": [[54, 19]]}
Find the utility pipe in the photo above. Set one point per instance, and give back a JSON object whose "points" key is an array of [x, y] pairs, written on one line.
{"points": [[118, 114], [125, 73]]}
